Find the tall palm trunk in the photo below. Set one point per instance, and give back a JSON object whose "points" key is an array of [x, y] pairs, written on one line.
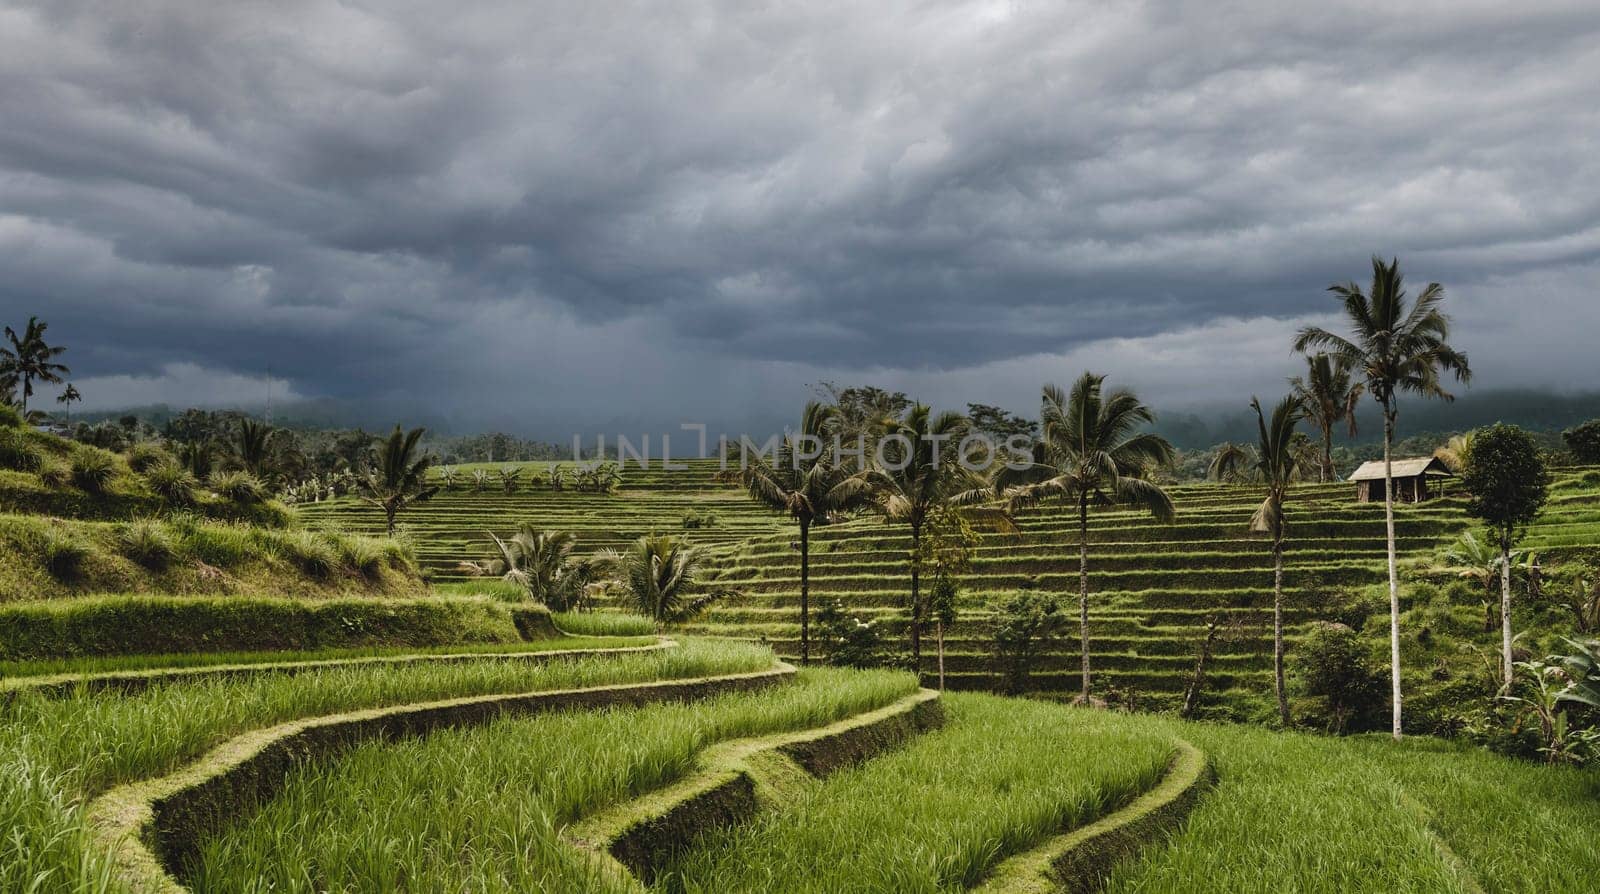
{"points": [[1394, 571], [1505, 609], [805, 591], [1327, 455], [916, 599], [1277, 619], [1083, 589]]}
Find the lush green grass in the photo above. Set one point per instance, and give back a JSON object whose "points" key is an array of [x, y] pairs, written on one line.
{"points": [[603, 624], [481, 809], [1310, 814], [16, 669], [54, 752], [1000, 777]]}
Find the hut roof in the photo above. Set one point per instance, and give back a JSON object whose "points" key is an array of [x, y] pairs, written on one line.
{"points": [[1403, 468]]}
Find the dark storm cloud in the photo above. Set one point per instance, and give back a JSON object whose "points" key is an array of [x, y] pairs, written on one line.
{"points": [[553, 207]]}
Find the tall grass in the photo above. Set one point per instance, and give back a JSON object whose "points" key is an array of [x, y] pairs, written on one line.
{"points": [[481, 809], [53, 753], [1001, 776], [603, 624]]}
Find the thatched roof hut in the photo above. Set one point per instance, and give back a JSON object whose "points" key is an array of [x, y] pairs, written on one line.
{"points": [[1410, 479]]}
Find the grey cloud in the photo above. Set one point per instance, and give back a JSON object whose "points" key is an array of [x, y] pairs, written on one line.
{"points": [[382, 200]]}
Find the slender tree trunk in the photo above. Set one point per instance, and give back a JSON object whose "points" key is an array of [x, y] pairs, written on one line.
{"points": [[1394, 571], [805, 592], [1083, 589], [1191, 697], [1489, 599], [939, 633], [389, 513], [1327, 454], [916, 600], [1277, 621], [1507, 668]]}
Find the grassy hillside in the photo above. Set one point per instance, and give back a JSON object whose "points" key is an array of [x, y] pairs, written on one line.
{"points": [[1154, 587]]}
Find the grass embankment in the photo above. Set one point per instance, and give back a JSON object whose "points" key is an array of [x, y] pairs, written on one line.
{"points": [[54, 753], [1001, 776], [47, 558], [15, 674], [482, 809]]}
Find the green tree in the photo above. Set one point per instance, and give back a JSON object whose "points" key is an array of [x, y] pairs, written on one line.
{"points": [[542, 562], [67, 398], [398, 475], [1478, 561], [1329, 391], [1508, 484], [802, 481], [947, 550], [1092, 452], [1398, 346], [252, 446], [1584, 441], [28, 359], [661, 574], [1275, 465], [1025, 625], [918, 471]]}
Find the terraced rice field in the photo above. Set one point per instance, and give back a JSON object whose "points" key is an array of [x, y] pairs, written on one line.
{"points": [[1153, 586]]}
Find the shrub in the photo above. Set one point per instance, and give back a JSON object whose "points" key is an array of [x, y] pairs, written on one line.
{"points": [[848, 640], [1584, 441], [362, 555], [146, 542], [171, 482], [17, 454], [1025, 626], [695, 520], [311, 553], [10, 417], [93, 468], [63, 555], [222, 545], [144, 456], [242, 488], [1331, 664]]}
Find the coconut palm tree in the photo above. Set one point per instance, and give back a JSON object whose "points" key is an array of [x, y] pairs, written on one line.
{"points": [[1479, 561], [803, 481], [1397, 346], [661, 576], [398, 475], [253, 446], [67, 398], [542, 563], [1329, 391], [1091, 452], [28, 359], [918, 470], [1275, 464]]}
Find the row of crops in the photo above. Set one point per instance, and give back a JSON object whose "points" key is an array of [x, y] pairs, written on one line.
{"points": [[1154, 587]]}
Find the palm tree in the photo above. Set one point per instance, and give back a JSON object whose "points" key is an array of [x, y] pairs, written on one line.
{"points": [[1091, 453], [804, 482], [1329, 392], [1275, 464], [1398, 347], [920, 471], [542, 563], [67, 398], [1479, 560], [29, 358], [398, 475], [661, 575], [253, 445]]}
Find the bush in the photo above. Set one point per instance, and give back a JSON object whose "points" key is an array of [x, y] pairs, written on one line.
{"points": [[1331, 664], [147, 543], [1025, 626], [171, 482], [693, 520], [363, 555], [241, 488], [1584, 441], [63, 555], [10, 417], [132, 625], [93, 469], [311, 553], [54, 475], [848, 640], [144, 456], [222, 545], [17, 454]]}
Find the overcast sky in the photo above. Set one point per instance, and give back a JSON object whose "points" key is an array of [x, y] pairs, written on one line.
{"points": [[546, 215]]}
